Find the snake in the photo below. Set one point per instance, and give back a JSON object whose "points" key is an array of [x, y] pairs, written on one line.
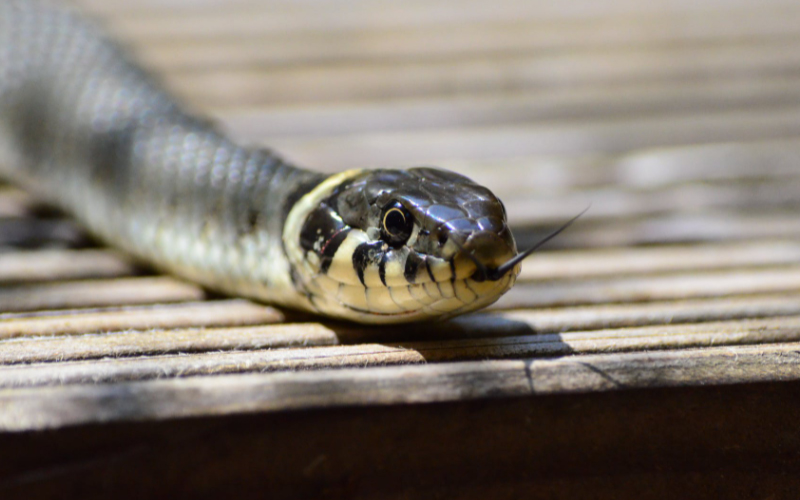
{"points": [[86, 128]]}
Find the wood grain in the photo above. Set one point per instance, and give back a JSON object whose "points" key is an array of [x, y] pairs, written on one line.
{"points": [[27, 409]]}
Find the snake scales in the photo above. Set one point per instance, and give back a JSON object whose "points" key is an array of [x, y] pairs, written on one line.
{"points": [[87, 129]]}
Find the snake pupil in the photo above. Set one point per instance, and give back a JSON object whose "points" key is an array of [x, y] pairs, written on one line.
{"points": [[397, 224]]}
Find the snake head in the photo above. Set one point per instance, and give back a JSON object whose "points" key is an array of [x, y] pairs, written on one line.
{"points": [[401, 245]]}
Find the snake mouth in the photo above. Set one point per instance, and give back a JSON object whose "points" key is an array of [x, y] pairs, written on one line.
{"points": [[437, 300], [438, 291]]}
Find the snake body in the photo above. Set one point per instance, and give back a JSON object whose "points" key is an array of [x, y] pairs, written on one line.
{"points": [[89, 130]]}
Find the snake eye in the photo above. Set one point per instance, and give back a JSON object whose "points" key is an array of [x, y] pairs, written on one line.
{"points": [[396, 224]]}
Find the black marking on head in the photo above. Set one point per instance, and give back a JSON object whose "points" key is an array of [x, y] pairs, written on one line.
{"points": [[366, 254], [319, 227], [382, 268], [443, 236], [413, 262], [430, 272], [330, 248]]}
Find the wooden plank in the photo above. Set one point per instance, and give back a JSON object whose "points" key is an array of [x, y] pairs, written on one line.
{"points": [[504, 107], [503, 448], [227, 20], [637, 288], [604, 316], [44, 408], [473, 327], [160, 341], [204, 51], [663, 229], [96, 293], [648, 339], [619, 203], [644, 169], [253, 86], [53, 265], [556, 138], [616, 262], [160, 363], [199, 314]]}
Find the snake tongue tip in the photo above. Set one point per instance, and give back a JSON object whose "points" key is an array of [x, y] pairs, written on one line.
{"points": [[505, 267]]}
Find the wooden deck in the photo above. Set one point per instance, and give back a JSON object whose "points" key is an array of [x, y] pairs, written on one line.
{"points": [[649, 352]]}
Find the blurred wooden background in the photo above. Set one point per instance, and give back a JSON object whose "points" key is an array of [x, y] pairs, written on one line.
{"points": [[649, 352]]}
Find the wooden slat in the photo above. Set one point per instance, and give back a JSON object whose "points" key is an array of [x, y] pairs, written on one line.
{"points": [[654, 168], [483, 327], [482, 143], [225, 21], [760, 91], [57, 407], [51, 265], [619, 262], [669, 228], [97, 293], [364, 355], [205, 51], [608, 203], [554, 320], [221, 313], [159, 341], [653, 287], [357, 81]]}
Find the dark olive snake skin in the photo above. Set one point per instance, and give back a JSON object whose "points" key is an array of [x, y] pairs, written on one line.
{"points": [[87, 129]]}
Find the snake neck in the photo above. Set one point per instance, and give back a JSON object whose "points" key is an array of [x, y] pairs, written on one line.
{"points": [[95, 135]]}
